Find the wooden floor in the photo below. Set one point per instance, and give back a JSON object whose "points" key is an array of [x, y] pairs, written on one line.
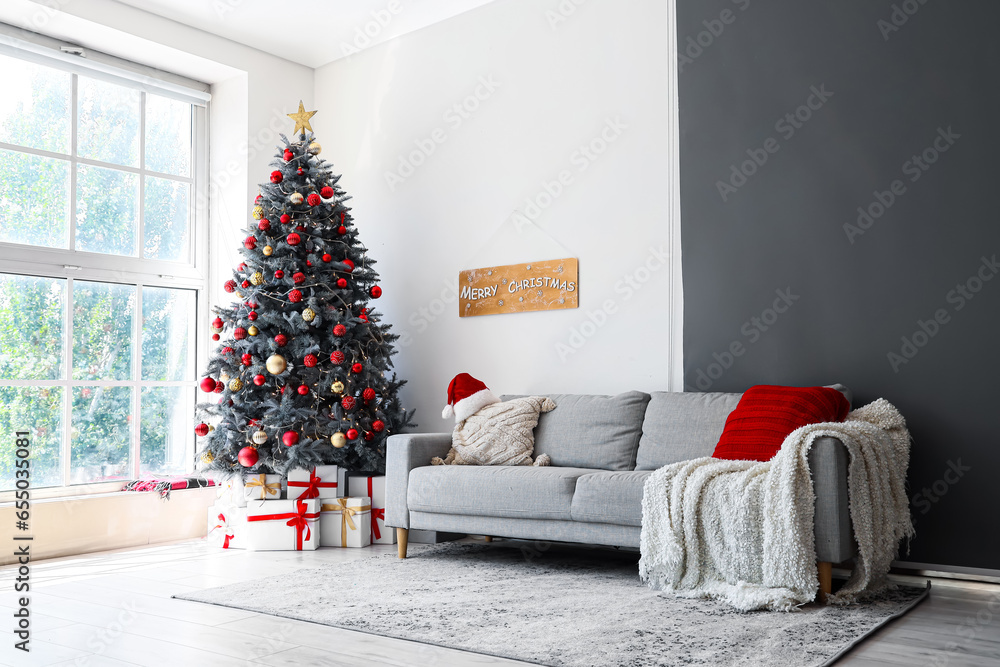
{"points": [[114, 608]]}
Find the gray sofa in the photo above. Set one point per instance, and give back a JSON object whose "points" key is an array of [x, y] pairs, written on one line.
{"points": [[602, 449]]}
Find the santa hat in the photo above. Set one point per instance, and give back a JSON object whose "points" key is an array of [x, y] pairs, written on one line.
{"points": [[466, 397]]}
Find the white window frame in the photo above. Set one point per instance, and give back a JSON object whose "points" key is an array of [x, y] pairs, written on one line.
{"points": [[75, 265]]}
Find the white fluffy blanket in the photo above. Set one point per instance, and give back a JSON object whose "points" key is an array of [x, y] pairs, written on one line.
{"points": [[500, 434], [742, 531]]}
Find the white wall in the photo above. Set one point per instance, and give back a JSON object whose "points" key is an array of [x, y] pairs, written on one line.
{"points": [[558, 86]]}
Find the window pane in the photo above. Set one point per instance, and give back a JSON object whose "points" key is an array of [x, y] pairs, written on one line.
{"points": [[34, 200], [168, 135], [102, 422], [106, 212], [166, 220], [34, 107], [102, 331], [31, 327], [167, 430], [37, 410], [108, 122], [168, 319]]}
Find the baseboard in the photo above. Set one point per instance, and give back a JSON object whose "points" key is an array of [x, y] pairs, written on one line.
{"points": [[947, 571]]}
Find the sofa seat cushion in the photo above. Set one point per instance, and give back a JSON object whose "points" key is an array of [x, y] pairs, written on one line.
{"points": [[512, 492], [681, 426], [591, 431], [610, 497]]}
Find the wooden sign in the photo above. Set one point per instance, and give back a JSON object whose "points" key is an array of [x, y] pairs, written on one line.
{"points": [[517, 288]]}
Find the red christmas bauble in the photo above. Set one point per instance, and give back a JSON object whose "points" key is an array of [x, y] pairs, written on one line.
{"points": [[341, 230], [227, 350], [356, 368], [217, 323], [288, 156], [276, 177], [369, 394], [364, 315], [314, 199], [339, 330], [303, 390], [240, 333], [326, 192], [280, 340], [369, 435], [230, 286], [242, 266], [327, 257], [341, 283], [208, 385], [299, 171], [279, 274], [376, 291], [352, 434], [298, 278], [259, 380], [378, 425], [285, 218], [201, 430], [252, 315], [247, 359], [300, 228], [350, 265], [219, 387], [215, 336], [347, 402], [258, 199], [248, 457], [250, 304], [295, 296], [250, 243], [310, 360], [293, 239], [337, 357], [245, 284], [309, 262], [290, 438], [264, 224]]}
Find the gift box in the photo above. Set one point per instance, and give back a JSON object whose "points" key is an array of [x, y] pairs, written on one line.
{"points": [[320, 482], [373, 486], [231, 492], [345, 522], [262, 487], [227, 526], [282, 525]]}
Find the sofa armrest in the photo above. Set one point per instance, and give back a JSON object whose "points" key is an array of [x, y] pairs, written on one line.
{"points": [[828, 462], [404, 453]]}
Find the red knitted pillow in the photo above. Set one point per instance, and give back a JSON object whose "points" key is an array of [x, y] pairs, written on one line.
{"points": [[766, 414]]}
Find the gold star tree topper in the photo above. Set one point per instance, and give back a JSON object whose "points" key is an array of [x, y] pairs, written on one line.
{"points": [[301, 118]]}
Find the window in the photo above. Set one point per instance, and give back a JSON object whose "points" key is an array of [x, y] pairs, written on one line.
{"points": [[101, 271]]}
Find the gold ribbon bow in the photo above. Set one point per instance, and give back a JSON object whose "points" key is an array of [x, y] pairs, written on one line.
{"points": [[272, 489], [346, 514]]}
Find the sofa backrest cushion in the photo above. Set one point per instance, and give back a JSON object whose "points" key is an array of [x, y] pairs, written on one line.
{"points": [[589, 431], [682, 426]]}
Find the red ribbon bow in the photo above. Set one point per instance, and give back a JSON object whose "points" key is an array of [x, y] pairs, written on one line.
{"points": [[229, 533], [313, 486], [298, 520]]}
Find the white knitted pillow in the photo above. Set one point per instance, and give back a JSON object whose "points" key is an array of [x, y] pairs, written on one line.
{"points": [[500, 434]]}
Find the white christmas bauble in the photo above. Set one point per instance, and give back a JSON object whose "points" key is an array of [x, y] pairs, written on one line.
{"points": [[259, 438], [338, 439], [276, 364], [295, 197]]}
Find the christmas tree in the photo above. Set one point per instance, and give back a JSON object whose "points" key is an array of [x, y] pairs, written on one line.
{"points": [[303, 368]]}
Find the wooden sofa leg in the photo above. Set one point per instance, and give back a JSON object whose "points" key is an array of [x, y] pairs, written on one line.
{"points": [[401, 536], [825, 571], [489, 538]]}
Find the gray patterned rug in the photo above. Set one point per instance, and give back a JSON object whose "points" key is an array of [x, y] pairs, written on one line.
{"points": [[553, 605]]}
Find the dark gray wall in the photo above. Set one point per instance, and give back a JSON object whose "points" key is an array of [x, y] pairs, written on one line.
{"points": [[894, 92]]}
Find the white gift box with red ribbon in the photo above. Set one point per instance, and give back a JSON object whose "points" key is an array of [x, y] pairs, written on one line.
{"points": [[319, 482], [231, 491], [374, 487], [282, 525], [345, 522], [227, 526]]}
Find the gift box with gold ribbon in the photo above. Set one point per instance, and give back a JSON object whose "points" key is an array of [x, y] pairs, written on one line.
{"points": [[262, 487], [345, 522], [373, 486], [283, 525], [319, 482]]}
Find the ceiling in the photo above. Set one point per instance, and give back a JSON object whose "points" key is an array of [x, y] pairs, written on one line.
{"points": [[310, 32]]}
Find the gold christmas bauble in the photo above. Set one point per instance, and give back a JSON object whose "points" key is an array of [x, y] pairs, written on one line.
{"points": [[315, 148], [338, 387], [258, 212], [338, 439], [207, 457], [308, 314], [267, 251], [253, 331], [259, 438], [295, 197], [257, 278], [235, 384], [276, 364]]}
